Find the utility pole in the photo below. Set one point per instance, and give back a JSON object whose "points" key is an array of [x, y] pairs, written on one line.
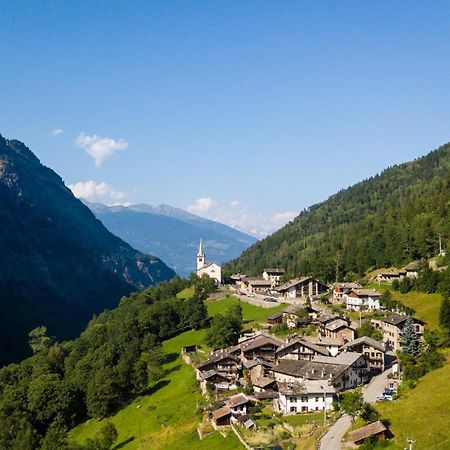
{"points": [[324, 407], [440, 244], [411, 443]]}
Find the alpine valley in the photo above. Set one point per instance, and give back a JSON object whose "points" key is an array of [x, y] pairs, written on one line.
{"points": [[58, 264], [172, 234]]}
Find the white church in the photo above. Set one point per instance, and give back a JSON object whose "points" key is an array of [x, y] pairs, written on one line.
{"points": [[213, 270]]}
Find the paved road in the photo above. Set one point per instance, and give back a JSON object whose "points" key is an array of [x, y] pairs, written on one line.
{"points": [[332, 439], [376, 387]]}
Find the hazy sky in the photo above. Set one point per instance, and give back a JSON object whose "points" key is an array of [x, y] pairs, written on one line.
{"points": [[246, 112]]}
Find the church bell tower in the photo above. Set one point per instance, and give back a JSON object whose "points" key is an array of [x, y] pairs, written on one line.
{"points": [[200, 256]]}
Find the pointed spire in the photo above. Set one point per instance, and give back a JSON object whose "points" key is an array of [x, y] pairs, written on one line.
{"points": [[200, 248]]}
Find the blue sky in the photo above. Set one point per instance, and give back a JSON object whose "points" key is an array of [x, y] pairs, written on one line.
{"points": [[245, 112]]}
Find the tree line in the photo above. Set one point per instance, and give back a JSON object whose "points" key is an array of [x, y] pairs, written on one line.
{"points": [[388, 220], [110, 363]]}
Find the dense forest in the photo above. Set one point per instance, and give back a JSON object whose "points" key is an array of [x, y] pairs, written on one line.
{"points": [[388, 220], [112, 361], [58, 264]]}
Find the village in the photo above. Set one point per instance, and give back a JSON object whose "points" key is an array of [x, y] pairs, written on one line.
{"points": [[306, 356]]}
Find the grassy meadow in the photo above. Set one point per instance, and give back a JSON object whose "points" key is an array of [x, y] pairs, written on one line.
{"points": [[422, 413], [166, 417]]}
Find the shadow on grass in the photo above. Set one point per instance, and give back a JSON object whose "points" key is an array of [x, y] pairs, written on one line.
{"points": [[123, 443], [156, 387], [172, 369], [170, 357]]}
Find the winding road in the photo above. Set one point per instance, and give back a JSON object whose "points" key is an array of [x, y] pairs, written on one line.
{"points": [[332, 439]]}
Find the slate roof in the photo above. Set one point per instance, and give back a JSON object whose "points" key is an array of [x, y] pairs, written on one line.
{"points": [[364, 340], [249, 364], [263, 382], [347, 285], [236, 400], [275, 270], [306, 387], [327, 318], [369, 430], [337, 324], [275, 316], [397, 319], [312, 370], [326, 341], [216, 357], [344, 359], [221, 412], [292, 283], [300, 340], [255, 281], [366, 292], [211, 373], [260, 341]]}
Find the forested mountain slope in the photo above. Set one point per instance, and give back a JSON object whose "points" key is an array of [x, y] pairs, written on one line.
{"points": [[389, 219], [172, 234], [58, 263]]}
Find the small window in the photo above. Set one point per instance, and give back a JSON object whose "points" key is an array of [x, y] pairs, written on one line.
{"points": [[317, 399]]}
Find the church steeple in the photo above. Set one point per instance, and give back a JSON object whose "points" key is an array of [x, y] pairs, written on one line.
{"points": [[200, 256], [200, 249]]}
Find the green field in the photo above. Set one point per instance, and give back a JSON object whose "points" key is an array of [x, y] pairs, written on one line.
{"points": [[426, 306], [165, 418], [422, 414], [186, 293], [250, 313]]}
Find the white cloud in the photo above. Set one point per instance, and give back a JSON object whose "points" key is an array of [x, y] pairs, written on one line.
{"points": [[241, 217], [98, 147], [202, 205], [56, 132], [96, 192]]}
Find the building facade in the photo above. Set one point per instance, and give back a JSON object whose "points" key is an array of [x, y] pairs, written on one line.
{"points": [[213, 270]]}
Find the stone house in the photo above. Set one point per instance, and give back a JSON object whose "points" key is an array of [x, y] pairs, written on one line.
{"points": [[298, 348], [342, 372], [392, 328], [274, 275], [340, 289], [255, 285], [362, 300], [305, 287], [372, 350], [304, 396]]}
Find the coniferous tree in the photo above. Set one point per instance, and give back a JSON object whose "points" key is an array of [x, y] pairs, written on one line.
{"points": [[444, 314], [410, 339]]}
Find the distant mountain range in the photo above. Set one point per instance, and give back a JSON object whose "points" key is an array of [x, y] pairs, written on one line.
{"points": [[172, 234], [388, 220], [59, 265]]}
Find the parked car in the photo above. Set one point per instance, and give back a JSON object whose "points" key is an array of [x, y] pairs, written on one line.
{"points": [[388, 397], [270, 299], [380, 398]]}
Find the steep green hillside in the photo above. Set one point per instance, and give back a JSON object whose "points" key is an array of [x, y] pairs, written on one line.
{"points": [[58, 264], [387, 220]]}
